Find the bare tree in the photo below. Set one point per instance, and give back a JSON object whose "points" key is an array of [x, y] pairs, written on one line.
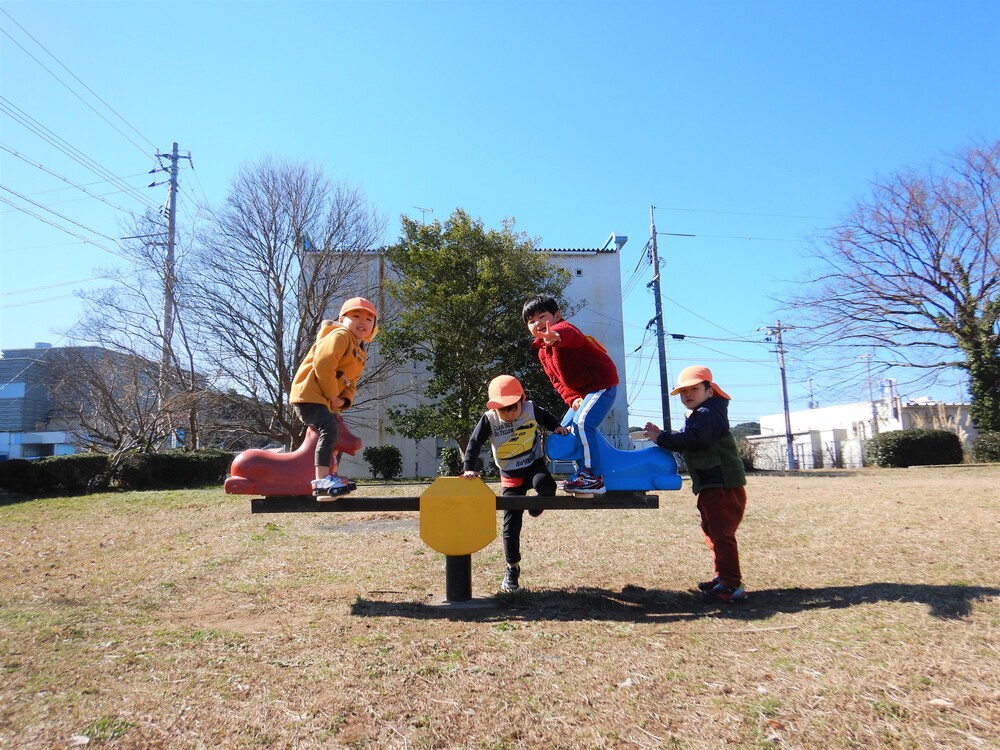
{"points": [[281, 253], [913, 272], [107, 399], [127, 319]]}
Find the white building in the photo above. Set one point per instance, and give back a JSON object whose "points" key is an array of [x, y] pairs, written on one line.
{"points": [[834, 436]]}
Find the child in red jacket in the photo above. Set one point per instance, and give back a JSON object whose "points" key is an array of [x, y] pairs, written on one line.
{"points": [[583, 374]]}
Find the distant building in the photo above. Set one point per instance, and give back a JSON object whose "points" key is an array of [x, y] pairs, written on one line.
{"points": [[835, 436], [28, 428]]}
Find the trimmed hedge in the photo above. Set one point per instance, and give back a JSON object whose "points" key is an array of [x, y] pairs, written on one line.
{"points": [[76, 474], [81, 473], [173, 469], [986, 448], [20, 477], [904, 448]]}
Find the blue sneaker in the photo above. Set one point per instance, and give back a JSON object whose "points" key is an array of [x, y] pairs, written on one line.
{"points": [[332, 485], [584, 483], [709, 585], [720, 593]]}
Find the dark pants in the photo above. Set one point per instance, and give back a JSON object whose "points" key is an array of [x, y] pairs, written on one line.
{"points": [[535, 476], [322, 419], [721, 512]]}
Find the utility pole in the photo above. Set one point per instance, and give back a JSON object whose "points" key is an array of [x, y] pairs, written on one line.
{"points": [[661, 346], [776, 330], [169, 273], [871, 395]]}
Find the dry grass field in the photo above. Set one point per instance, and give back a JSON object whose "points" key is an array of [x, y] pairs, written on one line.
{"points": [[180, 620]]}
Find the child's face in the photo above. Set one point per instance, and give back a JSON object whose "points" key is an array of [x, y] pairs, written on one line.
{"points": [[512, 412], [359, 322], [695, 395], [540, 323]]}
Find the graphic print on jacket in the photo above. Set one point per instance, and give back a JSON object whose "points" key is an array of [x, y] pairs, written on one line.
{"points": [[515, 444]]}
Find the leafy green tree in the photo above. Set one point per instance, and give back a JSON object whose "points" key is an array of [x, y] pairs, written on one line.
{"points": [[913, 273], [460, 288]]}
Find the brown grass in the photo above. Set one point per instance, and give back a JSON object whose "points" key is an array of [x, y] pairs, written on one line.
{"points": [[180, 620]]}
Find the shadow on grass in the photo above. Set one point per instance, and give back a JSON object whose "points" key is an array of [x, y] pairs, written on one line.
{"points": [[637, 604]]}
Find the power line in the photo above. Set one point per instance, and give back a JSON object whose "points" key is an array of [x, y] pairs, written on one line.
{"points": [[61, 228], [49, 286], [117, 114], [46, 134], [64, 179], [56, 213], [744, 213]]}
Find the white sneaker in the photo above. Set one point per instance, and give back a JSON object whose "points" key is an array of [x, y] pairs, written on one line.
{"points": [[333, 485]]}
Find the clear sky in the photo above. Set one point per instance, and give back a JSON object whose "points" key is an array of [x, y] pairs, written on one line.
{"points": [[749, 125]]}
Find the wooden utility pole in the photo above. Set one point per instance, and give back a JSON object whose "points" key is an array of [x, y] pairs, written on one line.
{"points": [[661, 346], [776, 331]]}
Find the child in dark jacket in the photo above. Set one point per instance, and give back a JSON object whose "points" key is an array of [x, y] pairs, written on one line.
{"points": [[717, 476], [512, 426]]}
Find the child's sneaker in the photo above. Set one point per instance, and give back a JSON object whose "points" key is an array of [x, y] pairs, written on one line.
{"points": [[709, 585], [722, 594], [332, 485], [509, 585], [585, 483]]}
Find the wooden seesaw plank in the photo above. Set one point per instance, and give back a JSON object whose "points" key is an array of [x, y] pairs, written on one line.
{"points": [[356, 504]]}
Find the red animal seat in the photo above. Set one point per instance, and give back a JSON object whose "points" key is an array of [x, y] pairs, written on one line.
{"points": [[261, 472]]}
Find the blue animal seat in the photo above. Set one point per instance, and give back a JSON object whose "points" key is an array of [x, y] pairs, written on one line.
{"points": [[646, 469]]}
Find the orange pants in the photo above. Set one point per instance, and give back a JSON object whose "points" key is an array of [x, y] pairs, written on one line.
{"points": [[721, 511]]}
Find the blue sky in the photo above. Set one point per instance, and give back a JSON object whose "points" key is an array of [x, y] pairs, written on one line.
{"points": [[749, 125]]}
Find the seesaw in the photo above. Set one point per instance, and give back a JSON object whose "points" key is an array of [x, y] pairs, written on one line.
{"points": [[457, 515]]}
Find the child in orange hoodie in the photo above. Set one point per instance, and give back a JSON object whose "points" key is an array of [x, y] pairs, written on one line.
{"points": [[326, 381]]}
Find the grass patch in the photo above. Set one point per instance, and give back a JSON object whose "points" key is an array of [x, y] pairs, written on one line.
{"points": [[184, 621]]}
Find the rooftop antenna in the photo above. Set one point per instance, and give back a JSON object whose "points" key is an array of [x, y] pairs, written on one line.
{"points": [[423, 213]]}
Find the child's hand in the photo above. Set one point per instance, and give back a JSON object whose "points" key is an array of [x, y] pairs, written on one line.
{"points": [[337, 401], [546, 334], [470, 475], [577, 403], [561, 430], [651, 431]]}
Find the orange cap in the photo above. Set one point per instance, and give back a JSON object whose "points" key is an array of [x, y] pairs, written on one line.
{"points": [[697, 374], [357, 303], [360, 303], [504, 391]]}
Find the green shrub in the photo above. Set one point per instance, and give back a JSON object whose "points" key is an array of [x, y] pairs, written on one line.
{"points": [[986, 448], [384, 460], [81, 473], [748, 453], [75, 474], [21, 477], [451, 462], [904, 448], [173, 469]]}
